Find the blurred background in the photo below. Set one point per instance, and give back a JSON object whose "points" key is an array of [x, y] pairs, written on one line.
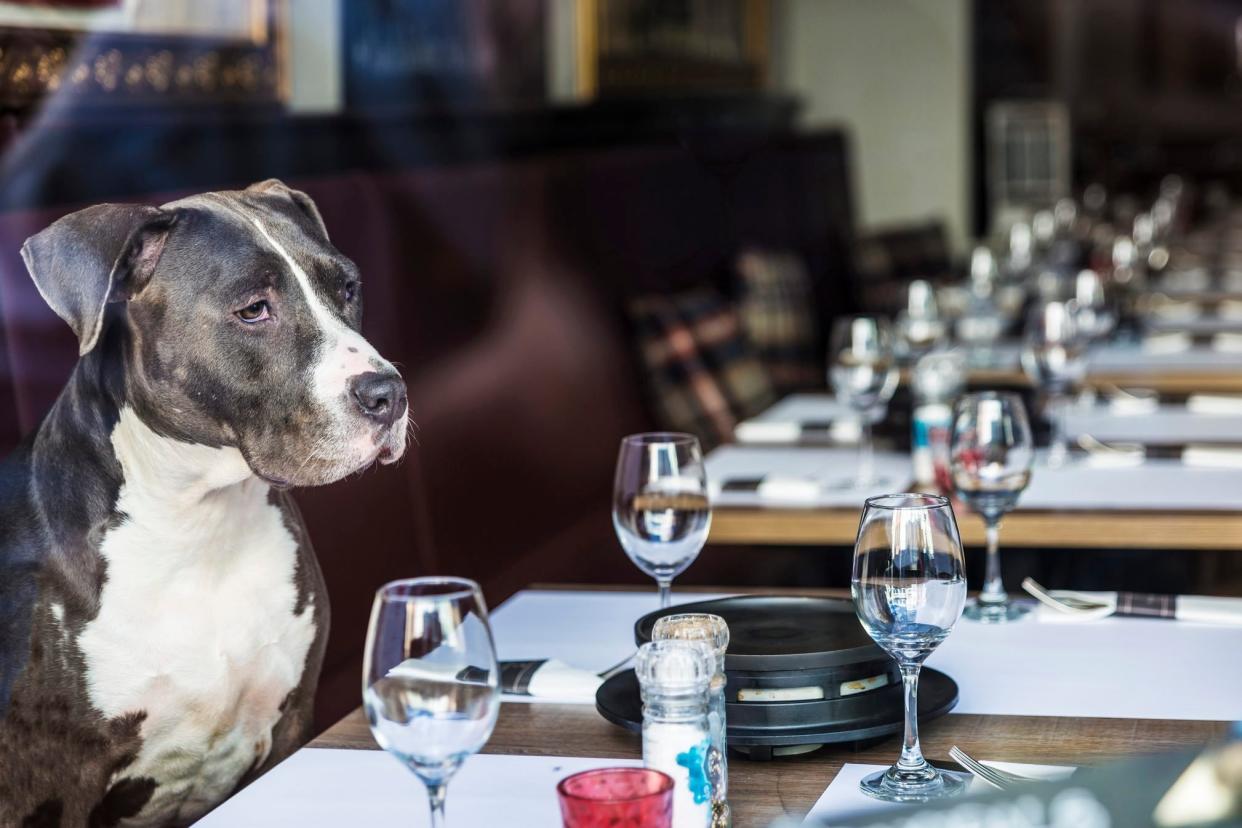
{"points": [[578, 219]]}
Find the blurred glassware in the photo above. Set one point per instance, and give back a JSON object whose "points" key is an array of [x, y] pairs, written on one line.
{"points": [[1053, 357], [660, 509], [991, 453], [1021, 251], [1043, 229], [1095, 199], [909, 586], [1095, 318], [919, 326], [978, 328], [430, 681], [937, 381], [1064, 217], [863, 373], [983, 270], [609, 797]]}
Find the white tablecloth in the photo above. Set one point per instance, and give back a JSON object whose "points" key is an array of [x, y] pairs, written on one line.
{"points": [[833, 468], [1133, 359], [1167, 425], [1118, 667]]}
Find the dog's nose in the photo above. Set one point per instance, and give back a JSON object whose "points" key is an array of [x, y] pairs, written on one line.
{"points": [[379, 396]]}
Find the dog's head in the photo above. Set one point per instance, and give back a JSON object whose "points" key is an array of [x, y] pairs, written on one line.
{"points": [[242, 327]]}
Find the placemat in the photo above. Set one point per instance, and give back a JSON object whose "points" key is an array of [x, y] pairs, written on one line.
{"points": [[330, 788]]}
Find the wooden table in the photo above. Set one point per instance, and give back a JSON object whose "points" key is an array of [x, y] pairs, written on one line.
{"points": [[1075, 529], [759, 792]]}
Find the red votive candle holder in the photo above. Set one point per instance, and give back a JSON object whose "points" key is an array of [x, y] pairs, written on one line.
{"points": [[617, 798]]}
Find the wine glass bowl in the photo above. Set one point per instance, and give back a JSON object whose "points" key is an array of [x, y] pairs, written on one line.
{"points": [[1054, 357], [863, 374], [660, 508], [431, 683], [990, 457], [909, 587]]}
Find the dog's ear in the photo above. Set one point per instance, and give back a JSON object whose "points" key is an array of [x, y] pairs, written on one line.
{"points": [[102, 254], [299, 198]]}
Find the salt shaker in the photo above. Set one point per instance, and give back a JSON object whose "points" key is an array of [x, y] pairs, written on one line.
{"points": [[675, 677], [714, 632]]}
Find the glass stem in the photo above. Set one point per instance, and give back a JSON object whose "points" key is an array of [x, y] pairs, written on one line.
{"points": [[993, 589], [436, 795], [911, 754], [666, 592], [1057, 448], [866, 452]]}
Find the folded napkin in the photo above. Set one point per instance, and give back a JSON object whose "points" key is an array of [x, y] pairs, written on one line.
{"points": [[1169, 343], [1200, 609], [1212, 457], [1218, 404], [1227, 343], [778, 432], [1128, 405], [1230, 309], [780, 488], [1175, 310], [1116, 458], [548, 678]]}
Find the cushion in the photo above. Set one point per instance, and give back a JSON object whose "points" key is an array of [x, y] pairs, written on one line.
{"points": [[777, 309], [701, 373]]}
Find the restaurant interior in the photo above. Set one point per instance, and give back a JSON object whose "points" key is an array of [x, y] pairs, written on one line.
{"points": [[859, 333]]}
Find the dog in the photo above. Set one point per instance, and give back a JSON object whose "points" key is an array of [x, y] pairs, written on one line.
{"points": [[162, 614]]}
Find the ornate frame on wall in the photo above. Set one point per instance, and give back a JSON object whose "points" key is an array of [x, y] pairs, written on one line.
{"points": [[109, 67]]}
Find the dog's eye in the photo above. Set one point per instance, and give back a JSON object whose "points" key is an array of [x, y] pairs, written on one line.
{"points": [[350, 290], [256, 312]]}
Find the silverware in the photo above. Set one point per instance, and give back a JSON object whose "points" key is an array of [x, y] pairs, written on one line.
{"points": [[1064, 600], [999, 779], [616, 668]]}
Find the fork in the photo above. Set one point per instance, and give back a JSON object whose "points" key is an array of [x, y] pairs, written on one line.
{"points": [[1066, 600], [999, 779]]}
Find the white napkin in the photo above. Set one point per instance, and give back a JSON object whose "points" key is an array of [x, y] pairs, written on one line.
{"points": [[779, 488], [1198, 609], [557, 680], [1170, 343], [1116, 458], [1218, 404], [1227, 343], [1230, 309], [1212, 457], [1125, 405], [775, 432], [1174, 310]]}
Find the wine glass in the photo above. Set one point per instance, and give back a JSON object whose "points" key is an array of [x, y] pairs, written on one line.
{"points": [[430, 682], [1053, 357], [1095, 319], [864, 376], [991, 451], [919, 326], [909, 585], [659, 504]]}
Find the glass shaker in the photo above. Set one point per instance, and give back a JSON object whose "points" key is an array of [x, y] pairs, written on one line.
{"points": [[674, 677], [714, 632]]}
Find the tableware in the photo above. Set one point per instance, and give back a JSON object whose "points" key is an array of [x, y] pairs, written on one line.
{"points": [[864, 376], [616, 798], [990, 457], [1095, 318], [909, 587], [997, 778], [919, 326], [1053, 357], [430, 680], [660, 509]]}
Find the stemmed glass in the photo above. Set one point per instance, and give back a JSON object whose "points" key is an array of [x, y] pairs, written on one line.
{"points": [[659, 504], [909, 585], [863, 374], [1054, 359], [430, 682], [991, 451]]}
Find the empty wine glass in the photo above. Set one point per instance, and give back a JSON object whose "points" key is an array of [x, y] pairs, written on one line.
{"points": [[430, 682], [990, 461], [1053, 356], [659, 504], [919, 326], [909, 585], [1094, 316], [864, 376]]}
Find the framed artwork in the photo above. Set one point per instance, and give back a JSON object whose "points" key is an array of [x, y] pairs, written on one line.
{"points": [[140, 51], [645, 46]]}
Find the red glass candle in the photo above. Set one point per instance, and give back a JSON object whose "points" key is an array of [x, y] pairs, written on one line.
{"points": [[617, 798]]}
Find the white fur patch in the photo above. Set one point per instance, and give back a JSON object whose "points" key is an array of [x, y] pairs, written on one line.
{"points": [[196, 625], [344, 352]]}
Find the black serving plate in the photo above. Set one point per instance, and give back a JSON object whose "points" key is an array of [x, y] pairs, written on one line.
{"points": [[770, 633], [869, 715]]}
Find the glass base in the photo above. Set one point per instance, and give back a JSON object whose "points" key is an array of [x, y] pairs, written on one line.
{"points": [[1001, 613], [896, 785]]}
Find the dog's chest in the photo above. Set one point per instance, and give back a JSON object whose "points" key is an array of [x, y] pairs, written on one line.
{"points": [[197, 630]]}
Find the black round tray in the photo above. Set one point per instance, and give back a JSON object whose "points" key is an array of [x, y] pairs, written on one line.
{"points": [[772, 632], [867, 715]]}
